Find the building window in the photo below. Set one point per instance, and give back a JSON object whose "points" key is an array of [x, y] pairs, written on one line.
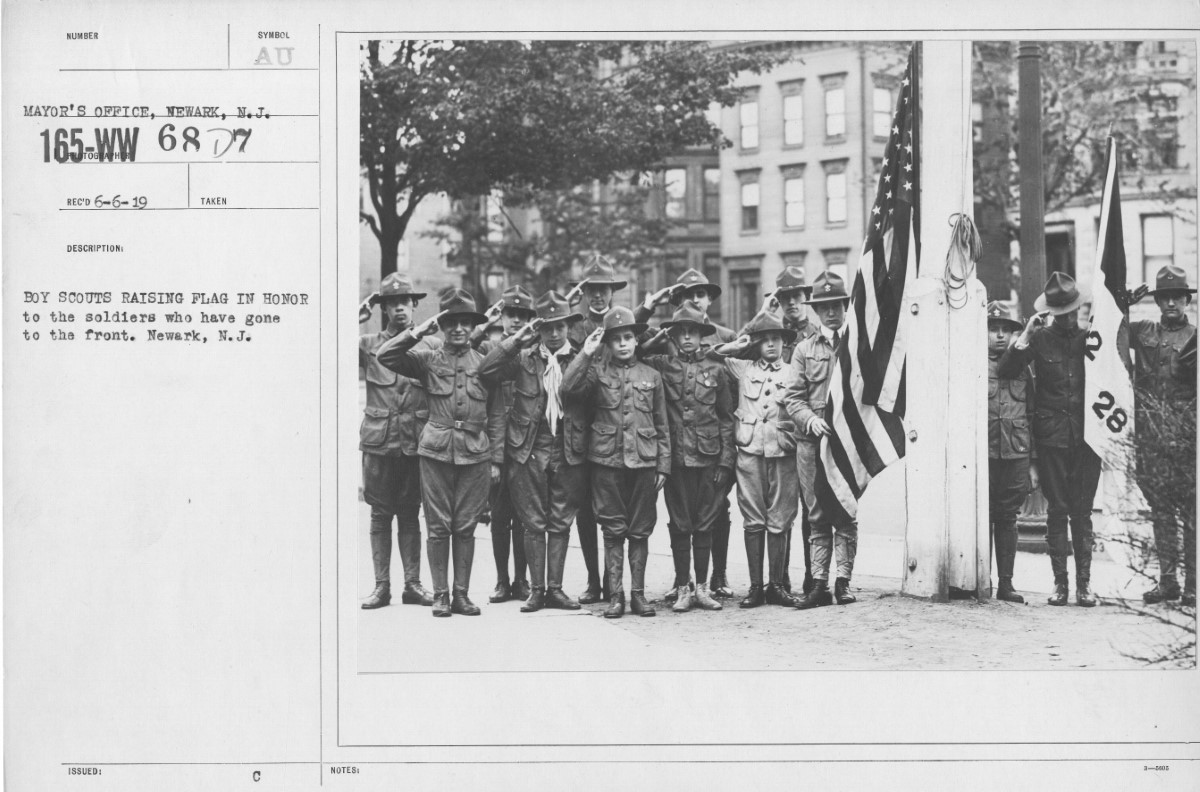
{"points": [[1158, 244], [835, 262], [835, 192], [744, 282], [793, 197], [793, 113], [712, 271], [882, 115], [794, 259], [835, 105], [675, 193], [749, 198], [676, 265], [748, 120], [712, 193]]}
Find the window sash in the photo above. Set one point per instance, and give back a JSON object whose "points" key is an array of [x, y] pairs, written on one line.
{"points": [[793, 202], [749, 124], [793, 120], [835, 112]]}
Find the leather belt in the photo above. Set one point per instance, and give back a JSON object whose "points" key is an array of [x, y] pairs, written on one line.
{"points": [[474, 426]]}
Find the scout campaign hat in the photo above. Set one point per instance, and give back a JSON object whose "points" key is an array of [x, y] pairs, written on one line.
{"points": [[764, 322], [517, 298], [827, 287], [690, 314], [692, 279], [459, 302], [1005, 314], [395, 285], [553, 307], [1061, 295], [599, 271], [790, 280], [1171, 279], [621, 318]]}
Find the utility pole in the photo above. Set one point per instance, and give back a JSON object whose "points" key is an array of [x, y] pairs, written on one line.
{"points": [[1033, 207]]}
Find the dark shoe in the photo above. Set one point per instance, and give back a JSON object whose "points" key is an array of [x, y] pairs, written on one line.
{"points": [[1188, 600], [638, 604], [1163, 592], [670, 597], [616, 606], [535, 602], [381, 596], [519, 590], [1062, 594], [1084, 597], [817, 598], [719, 587], [441, 604], [1006, 593], [502, 592], [841, 592], [557, 600], [771, 595], [416, 594], [754, 598], [592, 595], [808, 583], [462, 605]]}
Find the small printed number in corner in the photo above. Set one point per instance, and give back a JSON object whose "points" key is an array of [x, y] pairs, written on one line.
{"points": [[1156, 767]]}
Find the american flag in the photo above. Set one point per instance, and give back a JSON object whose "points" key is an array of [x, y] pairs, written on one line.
{"points": [[866, 389]]}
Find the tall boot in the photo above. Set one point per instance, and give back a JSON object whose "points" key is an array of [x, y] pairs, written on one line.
{"points": [[1081, 538], [785, 580], [556, 560], [614, 558], [755, 544], [501, 529], [1058, 547], [585, 526], [805, 543], [720, 553], [681, 554], [1165, 543], [520, 584], [535, 555], [438, 549], [464, 556], [408, 538], [821, 552], [639, 551], [776, 594], [1006, 554], [381, 559]]}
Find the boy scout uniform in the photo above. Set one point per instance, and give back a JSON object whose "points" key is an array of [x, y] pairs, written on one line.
{"points": [[1070, 470], [700, 414], [391, 473], [766, 464], [1009, 450], [813, 363], [454, 450], [545, 447], [629, 444], [601, 272], [1165, 392]]}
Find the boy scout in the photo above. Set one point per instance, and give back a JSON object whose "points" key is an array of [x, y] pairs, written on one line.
{"points": [[545, 443], [596, 290], [1011, 471], [516, 308], [454, 448], [692, 286], [388, 440], [812, 364], [766, 454], [700, 414], [1070, 470], [629, 449], [1165, 383]]}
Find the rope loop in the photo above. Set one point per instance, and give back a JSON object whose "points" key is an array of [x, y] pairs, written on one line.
{"points": [[965, 250]]}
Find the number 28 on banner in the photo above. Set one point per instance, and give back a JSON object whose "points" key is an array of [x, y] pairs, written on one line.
{"points": [[1117, 418]]}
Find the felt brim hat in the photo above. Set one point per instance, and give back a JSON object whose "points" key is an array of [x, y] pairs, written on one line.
{"points": [[693, 279], [1171, 279], [552, 307], [689, 314], [459, 303], [600, 272], [764, 323], [1061, 295], [1004, 315], [516, 298], [705, 329], [791, 280], [394, 287], [827, 287], [621, 318]]}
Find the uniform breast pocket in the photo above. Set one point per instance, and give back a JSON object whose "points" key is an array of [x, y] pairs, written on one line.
{"points": [[647, 443], [440, 380], [673, 386], [993, 388], [706, 389], [576, 435], [817, 369], [608, 395], [604, 439], [375, 427], [644, 396], [1016, 388], [752, 386], [475, 388], [518, 430], [378, 375]]}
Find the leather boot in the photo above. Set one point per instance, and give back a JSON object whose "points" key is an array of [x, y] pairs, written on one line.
{"points": [[818, 597], [1084, 597], [841, 592], [777, 593], [438, 550], [408, 539], [537, 557], [381, 545], [502, 592], [720, 586], [380, 597], [1006, 593], [536, 601], [685, 599], [681, 554], [1062, 593], [461, 604], [556, 560], [704, 599], [614, 560], [1006, 555], [639, 552], [585, 526], [1166, 590], [441, 603], [416, 594], [463, 548], [519, 589], [755, 548]]}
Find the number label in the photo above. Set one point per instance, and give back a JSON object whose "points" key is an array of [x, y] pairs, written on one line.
{"points": [[1117, 418]]}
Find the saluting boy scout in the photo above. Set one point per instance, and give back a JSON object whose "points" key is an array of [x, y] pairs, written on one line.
{"points": [[812, 364], [700, 412], [545, 444], [596, 290], [456, 467], [766, 454], [1011, 471], [692, 286], [629, 449], [388, 440]]}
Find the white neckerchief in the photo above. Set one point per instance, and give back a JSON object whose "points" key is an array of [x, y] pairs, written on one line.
{"points": [[552, 382]]}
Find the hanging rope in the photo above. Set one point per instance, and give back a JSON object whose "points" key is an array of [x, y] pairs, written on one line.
{"points": [[965, 249]]}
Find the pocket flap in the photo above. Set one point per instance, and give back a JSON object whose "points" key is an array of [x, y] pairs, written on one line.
{"points": [[604, 429], [377, 412]]}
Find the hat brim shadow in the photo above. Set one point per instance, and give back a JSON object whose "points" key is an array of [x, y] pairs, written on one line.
{"points": [[637, 327], [1040, 305], [615, 284], [714, 291], [789, 336], [1011, 324], [1172, 290], [705, 329], [476, 318], [827, 298]]}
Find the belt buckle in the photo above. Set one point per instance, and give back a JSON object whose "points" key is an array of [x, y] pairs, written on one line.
{"points": [[458, 424]]}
